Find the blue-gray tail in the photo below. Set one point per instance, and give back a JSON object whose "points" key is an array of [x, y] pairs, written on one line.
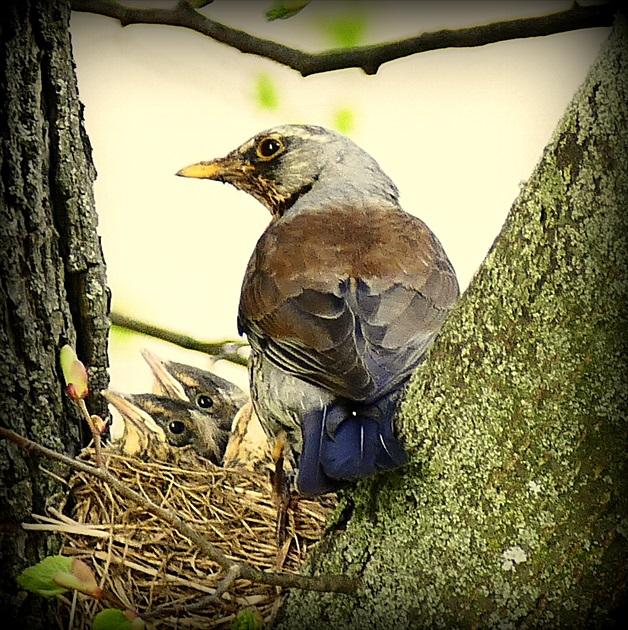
{"points": [[346, 441]]}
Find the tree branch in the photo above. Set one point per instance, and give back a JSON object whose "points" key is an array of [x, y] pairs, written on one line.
{"points": [[327, 583], [367, 58], [227, 350]]}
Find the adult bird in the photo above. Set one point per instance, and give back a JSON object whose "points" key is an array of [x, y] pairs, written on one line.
{"points": [[342, 296]]}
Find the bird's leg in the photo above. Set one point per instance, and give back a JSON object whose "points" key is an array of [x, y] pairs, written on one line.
{"points": [[280, 483]]}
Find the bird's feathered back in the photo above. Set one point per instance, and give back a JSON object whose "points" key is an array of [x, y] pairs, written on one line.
{"points": [[345, 291]]}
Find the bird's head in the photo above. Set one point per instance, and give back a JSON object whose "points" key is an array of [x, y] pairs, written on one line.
{"points": [[281, 165], [208, 391], [177, 422]]}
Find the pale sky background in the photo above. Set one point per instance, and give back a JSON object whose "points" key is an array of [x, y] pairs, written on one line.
{"points": [[458, 131]]}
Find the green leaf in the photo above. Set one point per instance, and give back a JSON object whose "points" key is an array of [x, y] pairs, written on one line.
{"points": [[345, 32], [266, 93], [111, 619], [284, 10], [344, 120], [121, 334], [248, 619], [40, 577]]}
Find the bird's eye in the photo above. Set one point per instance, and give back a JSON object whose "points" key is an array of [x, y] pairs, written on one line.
{"points": [[204, 401], [268, 148], [177, 427]]}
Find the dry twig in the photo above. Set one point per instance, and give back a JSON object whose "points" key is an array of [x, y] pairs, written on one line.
{"points": [[228, 350], [367, 58]]}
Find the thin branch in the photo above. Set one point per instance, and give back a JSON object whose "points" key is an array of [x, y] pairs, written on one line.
{"points": [[233, 574], [180, 610], [94, 428], [199, 604], [227, 350], [368, 58], [327, 583]]}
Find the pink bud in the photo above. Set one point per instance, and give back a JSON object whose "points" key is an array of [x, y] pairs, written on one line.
{"points": [[137, 623], [74, 373]]}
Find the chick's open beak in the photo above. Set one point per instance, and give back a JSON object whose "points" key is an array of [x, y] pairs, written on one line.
{"points": [[133, 413], [166, 384]]}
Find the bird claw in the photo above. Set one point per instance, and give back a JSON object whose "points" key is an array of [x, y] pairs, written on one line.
{"points": [[281, 493]]}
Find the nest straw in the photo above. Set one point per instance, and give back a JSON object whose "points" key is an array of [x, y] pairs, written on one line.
{"points": [[156, 571]]}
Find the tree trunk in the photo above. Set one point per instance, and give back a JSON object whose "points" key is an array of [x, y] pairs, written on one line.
{"points": [[52, 277], [513, 511]]}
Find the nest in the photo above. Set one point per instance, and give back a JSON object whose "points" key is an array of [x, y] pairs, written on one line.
{"points": [[152, 568]]}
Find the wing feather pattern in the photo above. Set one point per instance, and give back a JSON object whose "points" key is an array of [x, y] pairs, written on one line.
{"points": [[351, 314]]}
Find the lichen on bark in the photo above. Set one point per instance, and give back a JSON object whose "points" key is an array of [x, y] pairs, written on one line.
{"points": [[513, 511]]}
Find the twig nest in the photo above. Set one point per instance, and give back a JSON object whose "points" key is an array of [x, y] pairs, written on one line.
{"points": [[156, 571]]}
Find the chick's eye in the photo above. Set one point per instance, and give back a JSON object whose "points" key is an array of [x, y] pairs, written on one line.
{"points": [[177, 427], [204, 401], [268, 147]]}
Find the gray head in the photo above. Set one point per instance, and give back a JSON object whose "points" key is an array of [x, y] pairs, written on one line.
{"points": [[281, 165]]}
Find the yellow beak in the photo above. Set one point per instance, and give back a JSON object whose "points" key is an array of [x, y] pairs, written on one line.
{"points": [[165, 384], [202, 170]]}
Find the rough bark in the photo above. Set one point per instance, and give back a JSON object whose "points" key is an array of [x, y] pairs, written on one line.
{"points": [[513, 512], [51, 274]]}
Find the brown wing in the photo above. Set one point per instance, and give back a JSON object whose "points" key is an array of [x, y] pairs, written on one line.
{"points": [[348, 299]]}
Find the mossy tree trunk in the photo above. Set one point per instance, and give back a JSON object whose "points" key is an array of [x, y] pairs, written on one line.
{"points": [[52, 277], [513, 512]]}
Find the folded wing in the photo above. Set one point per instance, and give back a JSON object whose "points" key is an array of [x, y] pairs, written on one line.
{"points": [[350, 305]]}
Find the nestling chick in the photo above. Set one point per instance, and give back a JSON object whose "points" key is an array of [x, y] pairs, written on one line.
{"points": [[205, 389], [178, 422]]}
